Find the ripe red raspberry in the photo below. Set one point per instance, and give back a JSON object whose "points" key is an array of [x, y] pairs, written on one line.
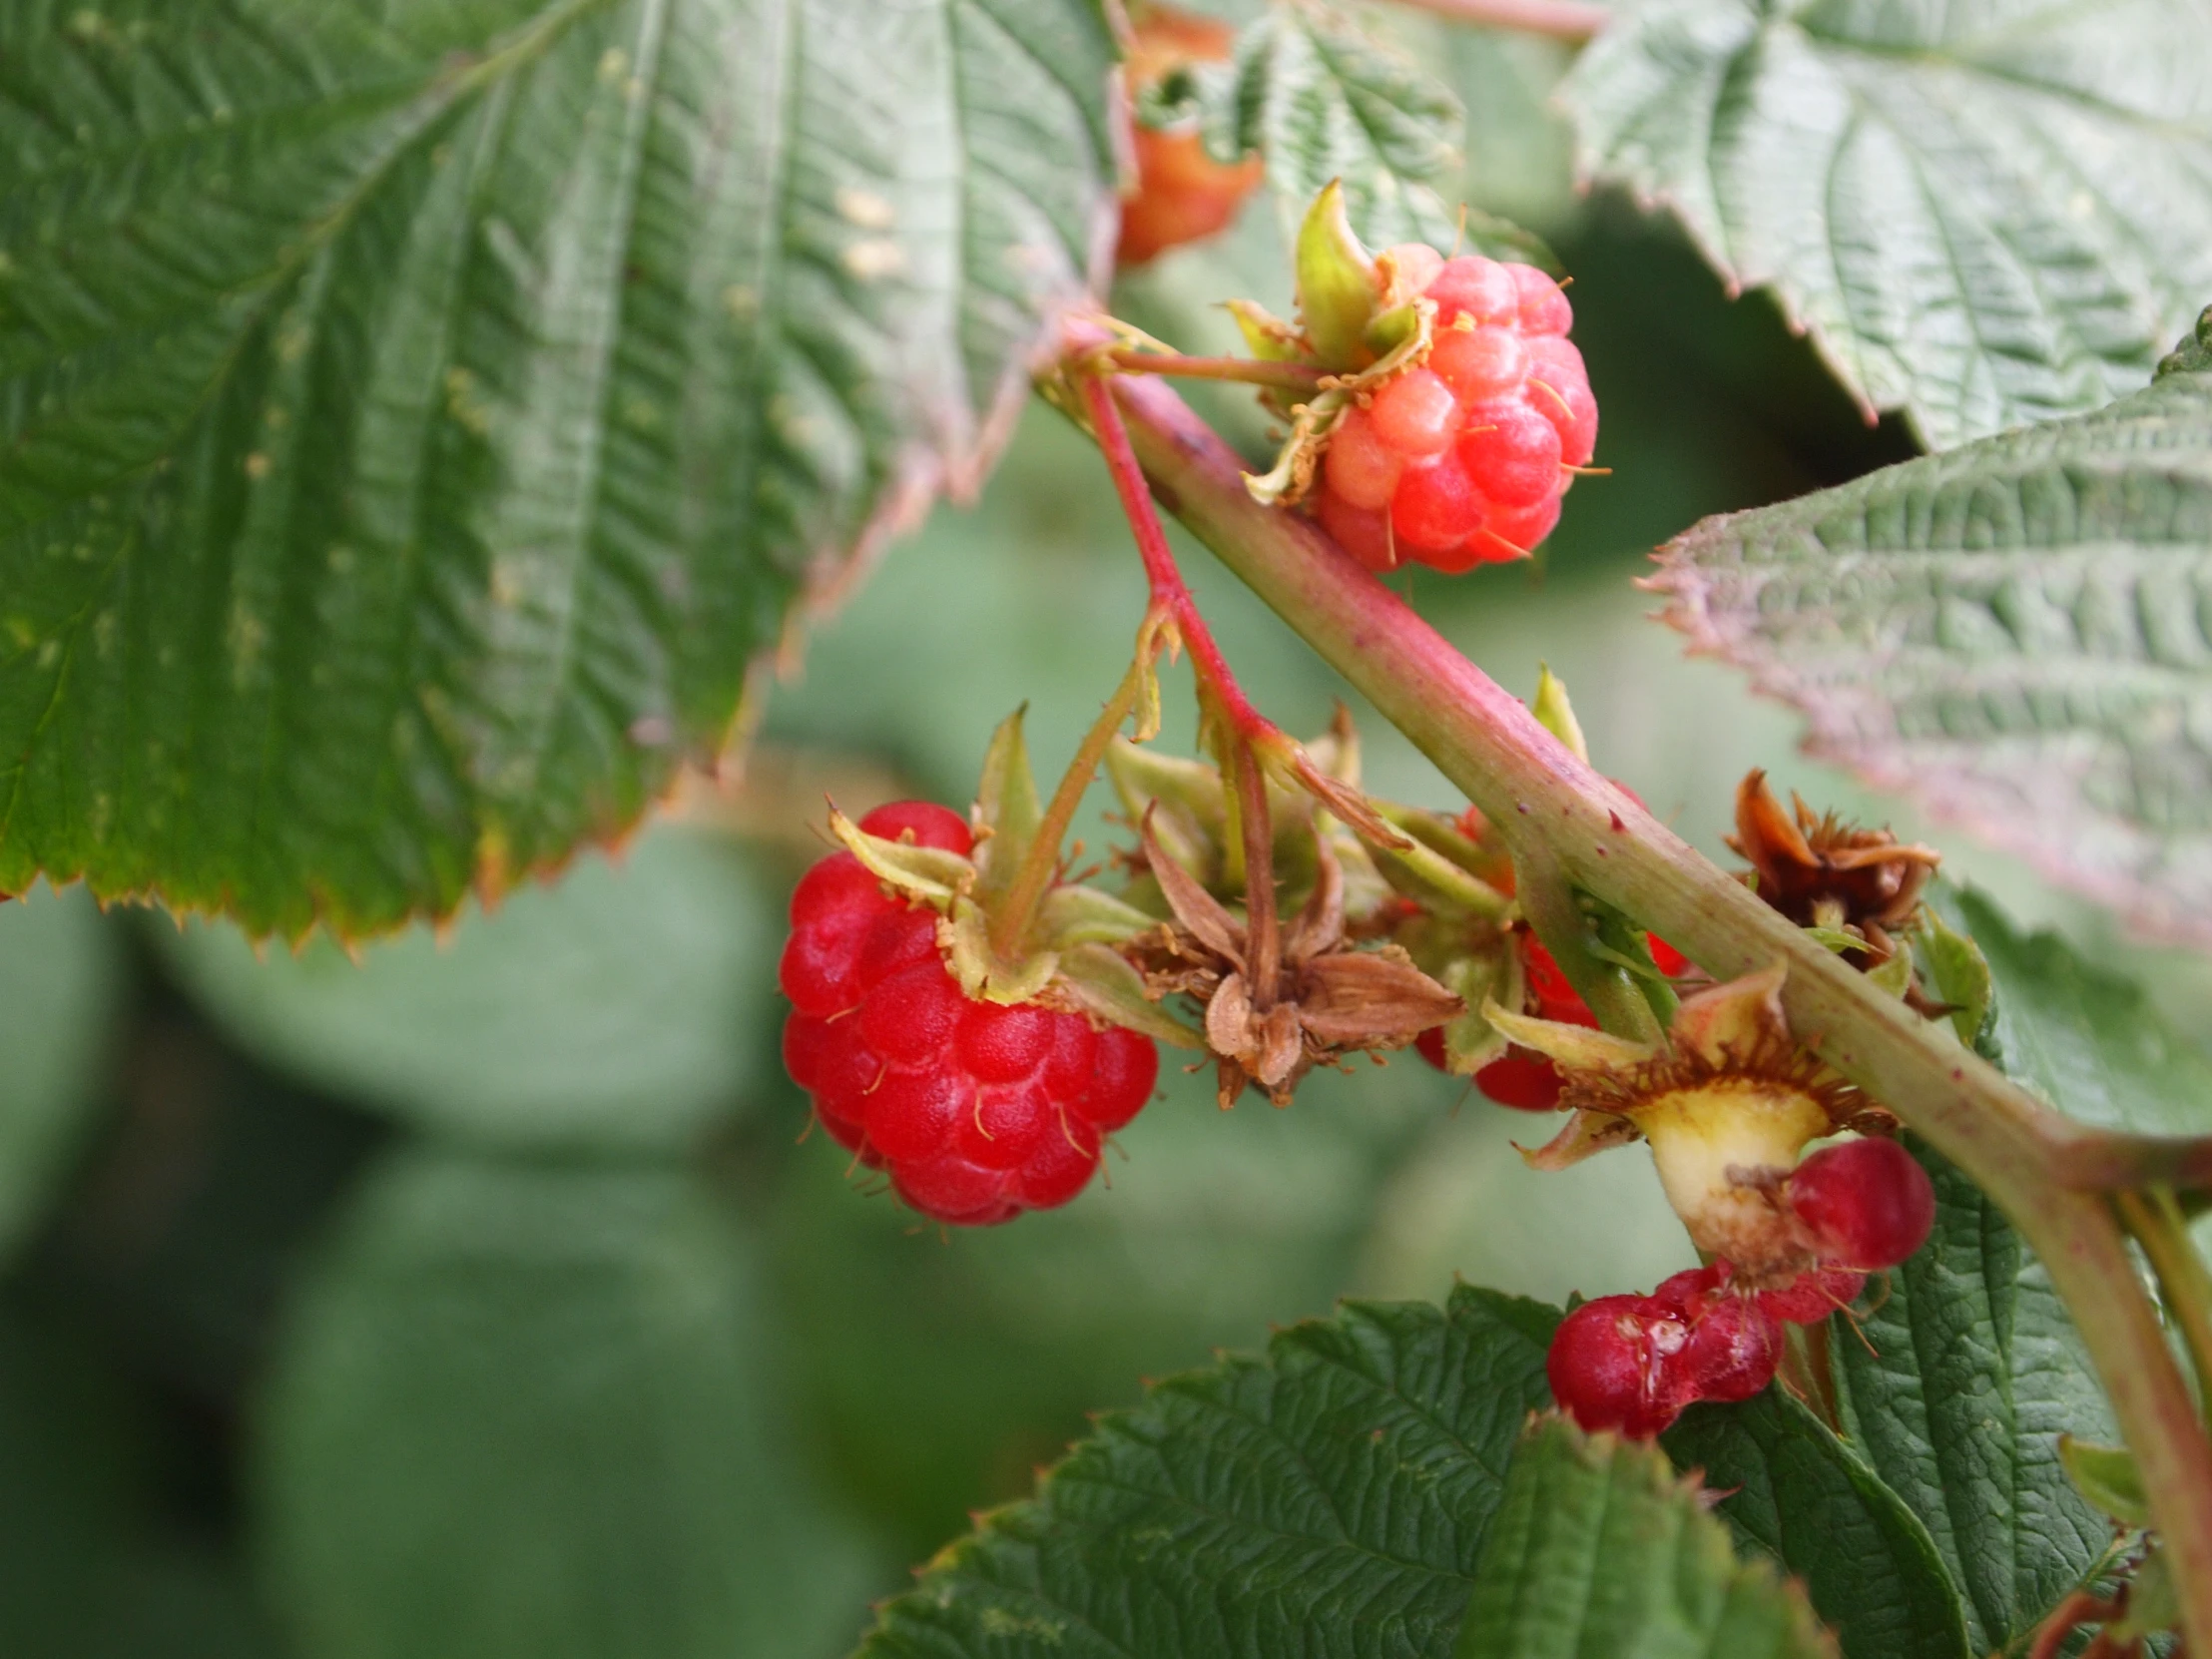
{"points": [[1182, 193], [1461, 461], [977, 1110], [1864, 1205]]}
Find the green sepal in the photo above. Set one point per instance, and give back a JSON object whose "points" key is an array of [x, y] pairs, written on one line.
{"points": [[1267, 337], [1073, 915], [2106, 1475], [1189, 807], [1959, 973], [985, 975], [1102, 984], [1336, 283], [1556, 715], [1893, 975], [1007, 806], [927, 873], [1444, 837], [1471, 1041], [1393, 327], [1437, 883]]}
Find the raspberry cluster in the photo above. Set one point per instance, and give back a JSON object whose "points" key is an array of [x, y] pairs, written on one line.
{"points": [[976, 1110], [1633, 1362], [1462, 460]]}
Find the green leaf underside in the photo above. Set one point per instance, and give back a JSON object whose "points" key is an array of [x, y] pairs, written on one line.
{"points": [[416, 418], [1802, 1496], [2089, 1042], [518, 1413], [1598, 1549], [1986, 212], [1329, 1500], [2017, 635], [1969, 1372], [1322, 101], [605, 1011]]}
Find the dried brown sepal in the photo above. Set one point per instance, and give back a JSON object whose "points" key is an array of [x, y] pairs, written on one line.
{"points": [[1329, 1000], [1823, 873]]}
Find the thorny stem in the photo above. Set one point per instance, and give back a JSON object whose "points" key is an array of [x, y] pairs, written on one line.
{"points": [[1249, 370], [2184, 1285], [1040, 865], [1560, 18], [1492, 747]]}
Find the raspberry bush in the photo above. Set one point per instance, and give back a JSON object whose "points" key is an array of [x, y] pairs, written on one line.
{"points": [[464, 520]]}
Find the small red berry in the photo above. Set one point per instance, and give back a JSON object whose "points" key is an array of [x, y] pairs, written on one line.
{"points": [[1436, 506], [1360, 467], [1814, 1295], [1865, 1204], [977, 1110], [1364, 534], [1415, 414], [1611, 1365], [1479, 364], [1476, 287], [1522, 1080], [1733, 1350]]}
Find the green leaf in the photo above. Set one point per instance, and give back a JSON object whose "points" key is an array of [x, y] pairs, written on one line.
{"points": [[60, 982], [1968, 1374], [418, 419], [519, 1410], [1331, 1500], [617, 1007], [1322, 100], [2010, 633], [1599, 1548], [1802, 1496], [1985, 215], [2088, 1041]]}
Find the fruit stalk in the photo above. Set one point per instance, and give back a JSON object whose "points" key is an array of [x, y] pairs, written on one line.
{"points": [[1493, 749]]}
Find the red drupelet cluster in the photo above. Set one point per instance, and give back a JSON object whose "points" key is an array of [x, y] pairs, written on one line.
{"points": [[1633, 1362], [976, 1110], [1462, 460]]}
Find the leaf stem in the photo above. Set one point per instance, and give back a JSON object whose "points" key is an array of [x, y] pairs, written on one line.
{"points": [[1560, 18], [1169, 591], [1040, 865], [1248, 370], [1493, 749]]}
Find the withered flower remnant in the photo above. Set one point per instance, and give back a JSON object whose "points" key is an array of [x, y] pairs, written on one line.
{"points": [[1275, 1010], [1824, 872]]}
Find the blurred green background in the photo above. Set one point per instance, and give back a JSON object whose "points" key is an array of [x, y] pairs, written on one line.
{"points": [[482, 1293]]}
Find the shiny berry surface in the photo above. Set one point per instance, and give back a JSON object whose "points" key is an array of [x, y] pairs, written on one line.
{"points": [[975, 1110], [1612, 1364], [1462, 459], [1863, 1204]]}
